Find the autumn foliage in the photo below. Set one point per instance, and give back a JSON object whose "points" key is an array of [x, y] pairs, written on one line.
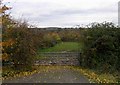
{"points": [[17, 45]]}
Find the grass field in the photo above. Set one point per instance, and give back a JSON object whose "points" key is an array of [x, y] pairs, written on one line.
{"points": [[63, 46]]}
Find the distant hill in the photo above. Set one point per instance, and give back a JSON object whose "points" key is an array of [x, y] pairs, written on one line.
{"points": [[52, 29]]}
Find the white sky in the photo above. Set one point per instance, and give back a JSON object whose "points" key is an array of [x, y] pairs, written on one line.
{"points": [[64, 13]]}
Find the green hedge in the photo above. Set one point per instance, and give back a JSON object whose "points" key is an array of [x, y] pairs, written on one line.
{"points": [[101, 47]]}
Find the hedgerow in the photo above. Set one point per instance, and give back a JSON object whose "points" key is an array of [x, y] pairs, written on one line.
{"points": [[101, 47]]}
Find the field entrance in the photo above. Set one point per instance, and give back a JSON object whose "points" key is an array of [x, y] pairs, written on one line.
{"points": [[64, 53]]}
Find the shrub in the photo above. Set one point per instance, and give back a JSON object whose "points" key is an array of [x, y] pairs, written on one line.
{"points": [[22, 51], [51, 39], [101, 47]]}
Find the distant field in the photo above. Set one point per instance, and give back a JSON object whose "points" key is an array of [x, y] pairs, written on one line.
{"points": [[63, 46]]}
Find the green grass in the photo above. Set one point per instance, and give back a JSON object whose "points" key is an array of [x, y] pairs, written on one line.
{"points": [[63, 46]]}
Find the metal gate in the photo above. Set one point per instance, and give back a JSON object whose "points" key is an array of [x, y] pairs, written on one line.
{"points": [[58, 58]]}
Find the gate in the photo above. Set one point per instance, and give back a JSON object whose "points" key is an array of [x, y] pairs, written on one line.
{"points": [[58, 58]]}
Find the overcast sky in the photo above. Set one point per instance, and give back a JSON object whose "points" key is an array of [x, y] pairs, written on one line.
{"points": [[64, 13]]}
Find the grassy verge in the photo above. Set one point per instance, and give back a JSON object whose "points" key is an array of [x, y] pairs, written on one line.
{"points": [[63, 46], [96, 77], [9, 73]]}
